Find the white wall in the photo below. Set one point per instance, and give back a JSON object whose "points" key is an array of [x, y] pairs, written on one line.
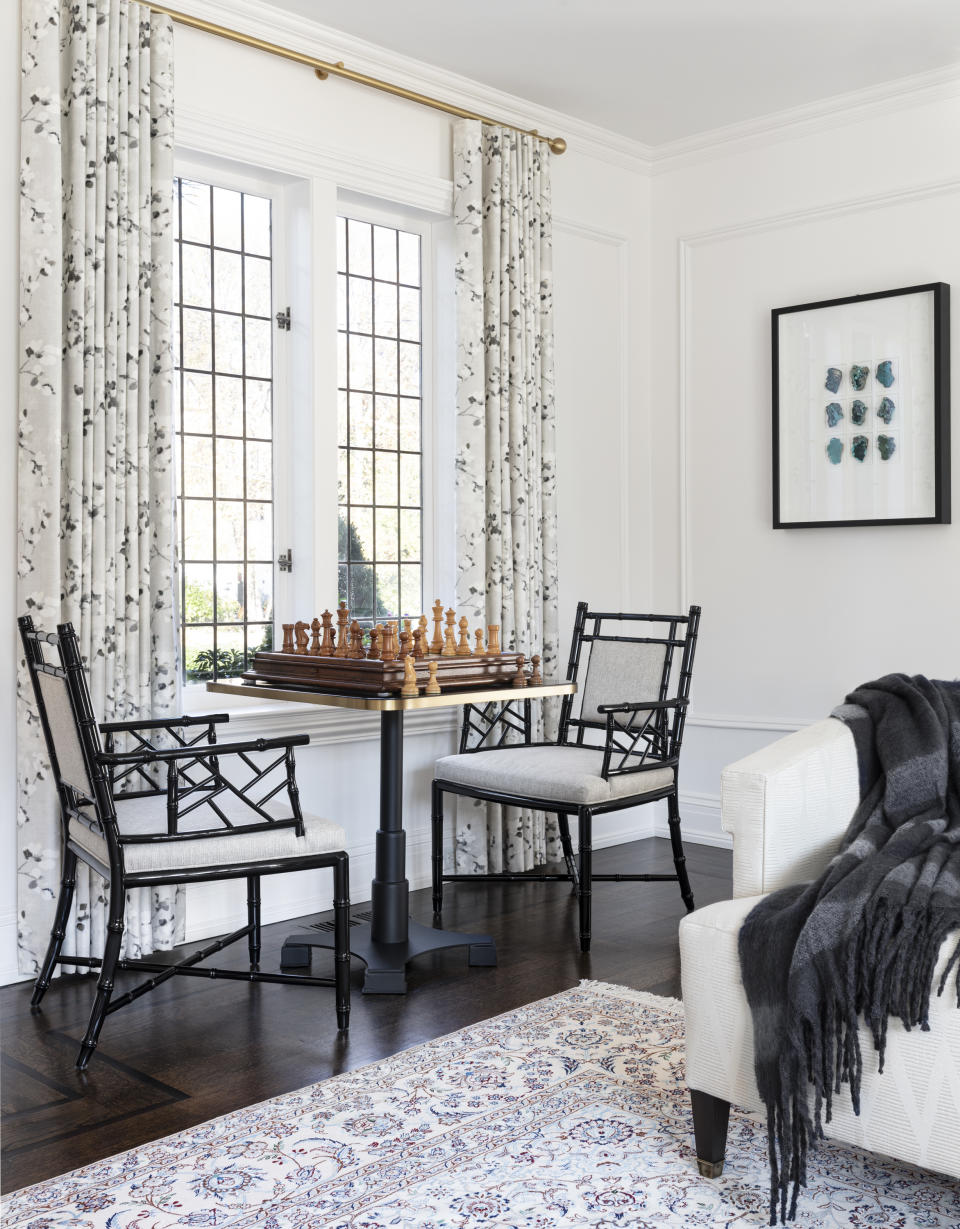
{"points": [[237, 103], [792, 619]]}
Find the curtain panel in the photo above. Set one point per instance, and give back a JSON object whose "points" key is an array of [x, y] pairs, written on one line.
{"points": [[96, 429], [506, 497]]}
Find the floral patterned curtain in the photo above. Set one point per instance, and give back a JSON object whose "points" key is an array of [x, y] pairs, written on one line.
{"points": [[96, 493], [506, 422]]}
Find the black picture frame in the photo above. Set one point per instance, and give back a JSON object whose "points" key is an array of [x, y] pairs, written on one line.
{"points": [[788, 399]]}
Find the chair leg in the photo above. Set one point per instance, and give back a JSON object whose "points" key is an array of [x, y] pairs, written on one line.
{"points": [[710, 1118], [679, 859], [585, 818], [436, 849], [563, 823], [253, 919], [341, 939], [111, 953], [68, 881]]}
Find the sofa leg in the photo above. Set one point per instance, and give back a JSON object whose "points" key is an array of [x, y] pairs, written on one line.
{"points": [[710, 1118]]}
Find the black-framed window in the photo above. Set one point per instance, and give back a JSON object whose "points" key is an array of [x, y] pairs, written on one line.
{"points": [[379, 321], [223, 353]]}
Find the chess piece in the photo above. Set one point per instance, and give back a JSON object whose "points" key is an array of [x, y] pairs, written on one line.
{"points": [[300, 630], [436, 644], [520, 679], [449, 642], [376, 635], [422, 628], [356, 641], [406, 640], [388, 651], [536, 678], [409, 688], [326, 645], [433, 687], [478, 651], [315, 642], [493, 639], [463, 648], [419, 635], [343, 615], [287, 638]]}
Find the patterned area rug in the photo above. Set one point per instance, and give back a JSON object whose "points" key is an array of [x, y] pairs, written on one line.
{"points": [[568, 1112]]}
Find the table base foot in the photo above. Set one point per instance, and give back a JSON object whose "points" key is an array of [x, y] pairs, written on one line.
{"points": [[386, 962]]}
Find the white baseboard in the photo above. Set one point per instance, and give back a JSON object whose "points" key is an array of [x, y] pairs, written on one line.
{"points": [[203, 923], [700, 816], [9, 973]]}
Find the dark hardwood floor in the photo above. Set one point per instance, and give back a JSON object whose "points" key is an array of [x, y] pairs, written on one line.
{"points": [[195, 1049]]}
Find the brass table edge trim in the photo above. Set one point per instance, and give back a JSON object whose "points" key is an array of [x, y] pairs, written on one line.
{"points": [[392, 704]]}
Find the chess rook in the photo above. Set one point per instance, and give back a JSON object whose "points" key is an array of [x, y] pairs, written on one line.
{"points": [[493, 639], [287, 638]]}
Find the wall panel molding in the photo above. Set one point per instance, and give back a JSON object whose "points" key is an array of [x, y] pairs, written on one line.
{"points": [[687, 245]]}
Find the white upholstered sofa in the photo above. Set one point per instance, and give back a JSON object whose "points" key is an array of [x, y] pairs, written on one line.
{"points": [[787, 808]]}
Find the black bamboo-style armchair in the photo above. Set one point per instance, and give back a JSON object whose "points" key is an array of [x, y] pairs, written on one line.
{"points": [[618, 746], [217, 816]]}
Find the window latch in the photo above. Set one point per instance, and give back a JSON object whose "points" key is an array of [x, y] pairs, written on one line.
{"points": [[285, 561], [283, 320]]}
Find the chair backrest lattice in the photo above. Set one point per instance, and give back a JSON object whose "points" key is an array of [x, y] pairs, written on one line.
{"points": [[621, 658], [90, 780]]}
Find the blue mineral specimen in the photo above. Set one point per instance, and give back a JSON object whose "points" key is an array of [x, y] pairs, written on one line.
{"points": [[858, 377], [859, 447], [858, 413], [835, 450], [885, 410], [834, 413], [887, 445], [885, 372], [834, 376]]}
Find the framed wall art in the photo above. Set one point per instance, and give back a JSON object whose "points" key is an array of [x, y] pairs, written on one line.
{"points": [[861, 410]]}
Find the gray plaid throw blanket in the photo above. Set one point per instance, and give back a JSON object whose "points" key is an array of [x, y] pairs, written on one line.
{"points": [[863, 938]]}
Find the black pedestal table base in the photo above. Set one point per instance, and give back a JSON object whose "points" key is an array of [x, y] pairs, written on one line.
{"points": [[391, 938], [386, 962]]}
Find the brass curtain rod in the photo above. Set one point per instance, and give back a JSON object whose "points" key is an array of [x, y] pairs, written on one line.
{"points": [[323, 70]]}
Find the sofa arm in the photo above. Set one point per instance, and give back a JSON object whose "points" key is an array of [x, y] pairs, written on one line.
{"points": [[788, 806]]}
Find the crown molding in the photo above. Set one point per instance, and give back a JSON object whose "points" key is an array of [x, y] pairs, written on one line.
{"points": [[808, 118], [263, 20]]}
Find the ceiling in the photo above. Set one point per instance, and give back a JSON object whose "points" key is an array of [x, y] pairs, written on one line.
{"points": [[660, 70]]}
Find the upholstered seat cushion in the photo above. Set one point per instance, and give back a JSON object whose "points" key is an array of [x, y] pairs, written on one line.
{"points": [[555, 774], [142, 815]]}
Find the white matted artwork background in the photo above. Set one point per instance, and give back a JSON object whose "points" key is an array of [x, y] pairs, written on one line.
{"points": [[898, 330]]}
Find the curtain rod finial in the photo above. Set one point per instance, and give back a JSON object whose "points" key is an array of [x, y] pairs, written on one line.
{"points": [[557, 145]]}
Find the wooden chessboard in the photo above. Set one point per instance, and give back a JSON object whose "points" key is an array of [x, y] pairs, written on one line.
{"points": [[364, 675], [392, 657]]}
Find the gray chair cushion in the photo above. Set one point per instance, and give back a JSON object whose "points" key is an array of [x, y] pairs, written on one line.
{"points": [[557, 774], [142, 815]]}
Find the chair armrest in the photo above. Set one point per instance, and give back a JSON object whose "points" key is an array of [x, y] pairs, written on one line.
{"points": [[194, 751], [161, 723], [788, 805], [641, 706]]}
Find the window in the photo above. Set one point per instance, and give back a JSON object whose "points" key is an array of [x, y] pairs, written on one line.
{"points": [[380, 402], [224, 444]]}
